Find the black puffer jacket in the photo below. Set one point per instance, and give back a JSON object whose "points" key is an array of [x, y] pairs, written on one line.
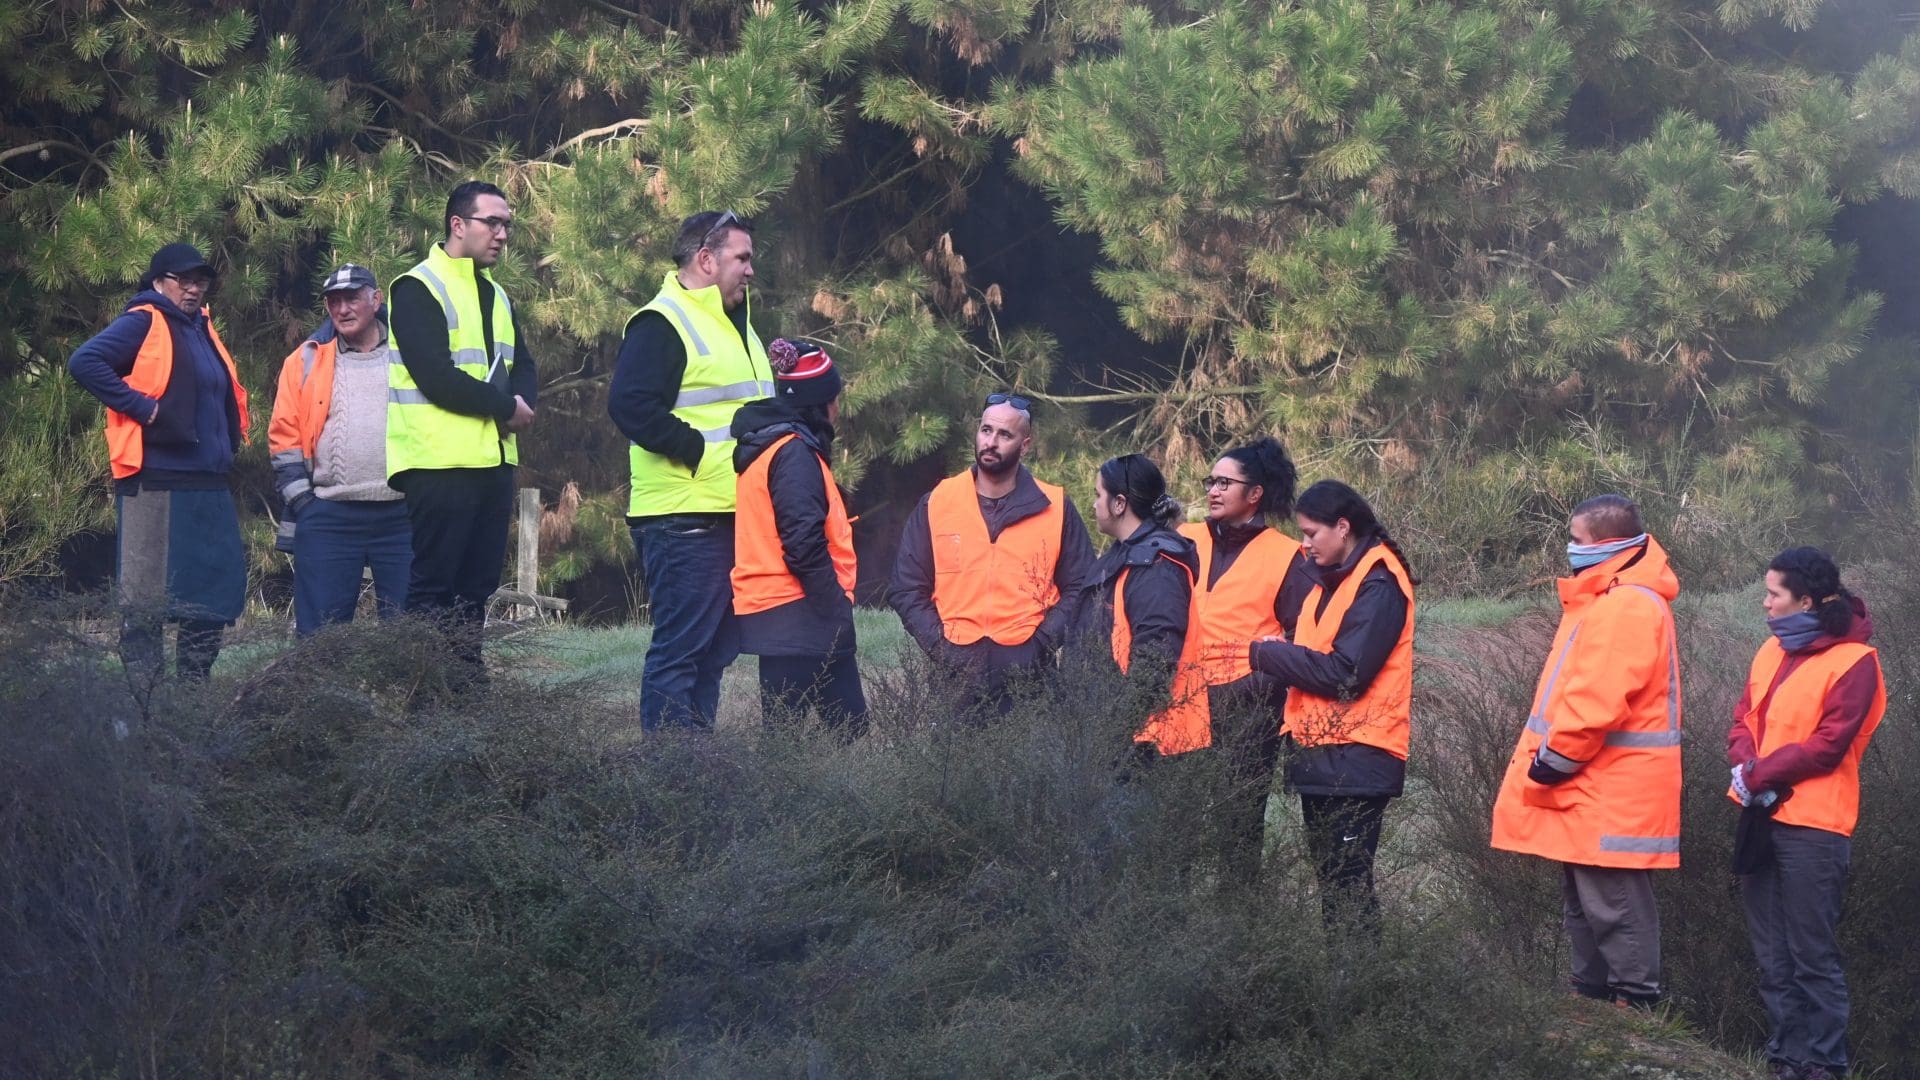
{"points": [[821, 623], [1160, 567]]}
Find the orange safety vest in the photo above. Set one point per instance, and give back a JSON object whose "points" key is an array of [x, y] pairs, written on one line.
{"points": [[997, 589], [761, 579], [1239, 607], [1789, 714], [1609, 698], [152, 370], [1186, 724], [1382, 715]]}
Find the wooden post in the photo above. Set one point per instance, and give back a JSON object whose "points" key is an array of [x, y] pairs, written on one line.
{"points": [[529, 553]]}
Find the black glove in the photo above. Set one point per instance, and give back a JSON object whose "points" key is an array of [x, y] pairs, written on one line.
{"points": [[298, 503], [1542, 773]]}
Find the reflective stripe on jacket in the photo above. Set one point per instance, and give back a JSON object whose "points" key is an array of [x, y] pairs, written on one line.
{"points": [[761, 579], [1186, 723], [1239, 606], [992, 588], [1380, 715], [1790, 713], [724, 372], [1607, 710], [422, 435], [152, 370]]}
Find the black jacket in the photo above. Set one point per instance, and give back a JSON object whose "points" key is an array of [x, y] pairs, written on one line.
{"points": [[1161, 567], [1365, 640], [911, 594], [418, 320], [821, 623]]}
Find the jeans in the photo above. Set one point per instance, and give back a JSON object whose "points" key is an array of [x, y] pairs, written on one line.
{"points": [[830, 685], [335, 540], [687, 561], [459, 519], [1793, 909]]}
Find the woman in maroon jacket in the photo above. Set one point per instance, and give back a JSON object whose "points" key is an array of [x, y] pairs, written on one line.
{"points": [[1814, 696]]}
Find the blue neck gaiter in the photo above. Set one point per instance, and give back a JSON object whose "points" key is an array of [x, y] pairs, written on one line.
{"points": [[1582, 556], [1797, 632]]}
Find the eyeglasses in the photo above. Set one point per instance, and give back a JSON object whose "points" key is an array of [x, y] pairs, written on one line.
{"points": [[1221, 483], [1018, 401], [501, 225], [191, 281], [727, 220]]}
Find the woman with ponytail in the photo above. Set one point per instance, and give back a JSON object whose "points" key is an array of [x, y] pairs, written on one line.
{"points": [[1814, 696], [1139, 595], [1349, 674], [1241, 595]]}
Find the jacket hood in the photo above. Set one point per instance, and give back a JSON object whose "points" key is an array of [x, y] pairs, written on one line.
{"points": [[1148, 542], [1860, 633], [1646, 566], [757, 425]]}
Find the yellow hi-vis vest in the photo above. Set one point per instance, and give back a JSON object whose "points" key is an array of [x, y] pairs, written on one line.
{"points": [[422, 435], [723, 373]]}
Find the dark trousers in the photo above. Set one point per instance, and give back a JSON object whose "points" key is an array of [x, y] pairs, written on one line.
{"points": [[1343, 833], [179, 558], [1613, 927], [335, 540], [687, 561], [1246, 728], [829, 685], [1793, 910], [459, 519]]}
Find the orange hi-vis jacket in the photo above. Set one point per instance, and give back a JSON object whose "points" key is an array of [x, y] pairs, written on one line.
{"points": [[998, 589], [1790, 714], [1186, 724], [152, 370], [761, 580], [1239, 607], [300, 403], [1607, 709], [1381, 715]]}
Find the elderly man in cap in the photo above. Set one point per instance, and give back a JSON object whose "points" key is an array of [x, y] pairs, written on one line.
{"points": [[176, 415], [329, 443]]}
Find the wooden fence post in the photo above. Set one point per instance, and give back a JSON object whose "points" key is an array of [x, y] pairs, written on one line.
{"points": [[528, 553]]}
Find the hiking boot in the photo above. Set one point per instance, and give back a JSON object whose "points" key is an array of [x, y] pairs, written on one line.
{"points": [[1785, 1070], [1821, 1072]]}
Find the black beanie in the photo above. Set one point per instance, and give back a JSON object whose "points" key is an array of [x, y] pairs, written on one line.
{"points": [[803, 372]]}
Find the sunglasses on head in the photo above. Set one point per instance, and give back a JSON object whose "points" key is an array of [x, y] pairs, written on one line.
{"points": [[1018, 401], [728, 219]]}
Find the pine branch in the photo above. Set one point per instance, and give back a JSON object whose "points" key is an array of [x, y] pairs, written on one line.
{"points": [[50, 144], [614, 128]]}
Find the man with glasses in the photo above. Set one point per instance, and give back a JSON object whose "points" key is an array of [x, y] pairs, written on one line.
{"points": [[176, 415], [689, 361], [990, 561], [462, 386], [328, 438]]}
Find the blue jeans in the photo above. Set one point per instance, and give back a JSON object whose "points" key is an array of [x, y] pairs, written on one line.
{"points": [[333, 540], [1793, 912], [687, 561]]}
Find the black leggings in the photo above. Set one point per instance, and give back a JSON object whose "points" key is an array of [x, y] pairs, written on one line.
{"points": [[1343, 832], [829, 685]]}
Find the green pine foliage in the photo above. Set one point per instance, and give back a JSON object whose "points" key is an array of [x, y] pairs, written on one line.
{"points": [[1521, 248]]}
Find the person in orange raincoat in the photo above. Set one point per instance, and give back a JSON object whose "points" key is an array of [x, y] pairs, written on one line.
{"points": [[1594, 783]]}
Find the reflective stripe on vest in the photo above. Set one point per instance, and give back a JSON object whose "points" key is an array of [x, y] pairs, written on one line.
{"points": [[998, 589], [1671, 737], [1187, 723], [1239, 607], [422, 435], [1791, 712], [724, 371], [152, 371], [761, 579], [1381, 715]]}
